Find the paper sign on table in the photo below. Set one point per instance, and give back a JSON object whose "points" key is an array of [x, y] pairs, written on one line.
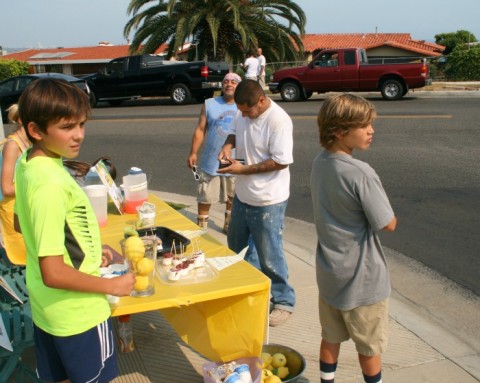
{"points": [[221, 263], [108, 181]]}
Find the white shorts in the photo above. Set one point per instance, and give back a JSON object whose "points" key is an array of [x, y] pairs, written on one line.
{"points": [[213, 189]]}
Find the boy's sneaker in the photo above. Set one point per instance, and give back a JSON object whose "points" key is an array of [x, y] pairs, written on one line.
{"points": [[278, 317], [227, 221]]}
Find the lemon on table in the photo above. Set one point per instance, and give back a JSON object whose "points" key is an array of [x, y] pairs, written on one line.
{"points": [[145, 266], [141, 283], [134, 248]]}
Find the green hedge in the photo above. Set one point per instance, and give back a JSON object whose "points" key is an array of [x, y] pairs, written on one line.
{"points": [[9, 68], [463, 64]]}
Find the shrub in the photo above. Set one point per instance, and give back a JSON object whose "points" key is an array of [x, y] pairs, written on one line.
{"points": [[9, 68], [463, 64]]}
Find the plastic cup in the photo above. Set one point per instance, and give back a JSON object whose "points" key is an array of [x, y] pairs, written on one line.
{"points": [[142, 262], [98, 196]]}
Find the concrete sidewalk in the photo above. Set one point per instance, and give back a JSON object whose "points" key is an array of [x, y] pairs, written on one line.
{"points": [[434, 325]]}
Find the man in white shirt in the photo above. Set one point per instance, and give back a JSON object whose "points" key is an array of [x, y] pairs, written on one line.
{"points": [[262, 62], [251, 67], [263, 138]]}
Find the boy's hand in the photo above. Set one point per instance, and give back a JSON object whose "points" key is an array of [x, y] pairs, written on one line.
{"points": [[122, 285], [107, 257]]}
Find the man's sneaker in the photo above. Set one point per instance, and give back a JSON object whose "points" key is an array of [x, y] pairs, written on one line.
{"points": [[278, 317], [202, 221], [228, 213]]}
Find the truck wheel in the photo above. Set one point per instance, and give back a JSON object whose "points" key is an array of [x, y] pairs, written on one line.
{"points": [[392, 90], [180, 94], [290, 92], [307, 94]]}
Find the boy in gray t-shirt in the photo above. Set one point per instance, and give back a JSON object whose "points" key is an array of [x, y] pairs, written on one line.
{"points": [[350, 207]]}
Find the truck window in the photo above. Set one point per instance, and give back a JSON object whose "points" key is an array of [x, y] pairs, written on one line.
{"points": [[327, 59], [152, 61], [115, 67], [363, 57], [350, 57]]}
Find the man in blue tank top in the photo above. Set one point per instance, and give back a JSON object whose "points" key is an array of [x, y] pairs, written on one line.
{"points": [[212, 129]]}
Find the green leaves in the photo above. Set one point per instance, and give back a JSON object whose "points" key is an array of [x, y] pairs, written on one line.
{"points": [[10, 68], [221, 30]]}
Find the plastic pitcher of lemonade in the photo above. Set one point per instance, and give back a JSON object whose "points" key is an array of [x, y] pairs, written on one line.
{"points": [[135, 188]]}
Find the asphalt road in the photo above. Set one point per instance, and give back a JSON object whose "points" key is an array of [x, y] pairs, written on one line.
{"points": [[425, 150]]}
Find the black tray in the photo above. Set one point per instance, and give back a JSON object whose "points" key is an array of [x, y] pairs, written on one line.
{"points": [[167, 236]]}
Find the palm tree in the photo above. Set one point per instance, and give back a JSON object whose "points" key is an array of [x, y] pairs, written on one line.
{"points": [[221, 30]]}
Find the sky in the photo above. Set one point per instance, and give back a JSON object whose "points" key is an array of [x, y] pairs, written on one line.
{"points": [[68, 23]]}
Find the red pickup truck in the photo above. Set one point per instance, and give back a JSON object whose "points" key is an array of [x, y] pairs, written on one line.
{"points": [[348, 70]]}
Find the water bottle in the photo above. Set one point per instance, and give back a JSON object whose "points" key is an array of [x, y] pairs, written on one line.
{"points": [[243, 372], [232, 378], [92, 178], [135, 188], [125, 333]]}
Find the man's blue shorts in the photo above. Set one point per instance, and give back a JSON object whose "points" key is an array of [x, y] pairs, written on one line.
{"points": [[82, 358]]}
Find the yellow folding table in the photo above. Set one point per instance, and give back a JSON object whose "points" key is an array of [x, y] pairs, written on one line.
{"points": [[224, 318]]}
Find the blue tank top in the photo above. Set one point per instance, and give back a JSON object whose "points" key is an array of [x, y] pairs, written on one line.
{"points": [[219, 120]]}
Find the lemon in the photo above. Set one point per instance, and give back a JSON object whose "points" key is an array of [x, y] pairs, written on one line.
{"points": [[273, 379], [279, 360], [141, 283], [145, 266], [266, 358], [266, 373], [281, 372], [134, 248]]}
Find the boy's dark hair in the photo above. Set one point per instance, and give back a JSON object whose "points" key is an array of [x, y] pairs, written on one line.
{"points": [[248, 92], [340, 113], [48, 100]]}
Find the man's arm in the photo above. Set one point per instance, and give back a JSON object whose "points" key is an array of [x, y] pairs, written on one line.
{"points": [[198, 137], [263, 167], [392, 225]]}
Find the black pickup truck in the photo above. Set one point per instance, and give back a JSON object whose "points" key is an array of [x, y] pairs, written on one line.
{"points": [[138, 76]]}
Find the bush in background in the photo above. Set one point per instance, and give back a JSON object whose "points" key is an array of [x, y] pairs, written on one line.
{"points": [[463, 64], [9, 68]]}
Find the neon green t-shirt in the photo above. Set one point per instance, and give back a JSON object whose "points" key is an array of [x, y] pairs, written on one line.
{"points": [[56, 218]]}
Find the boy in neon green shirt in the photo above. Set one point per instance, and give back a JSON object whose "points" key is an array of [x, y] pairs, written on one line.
{"points": [[73, 336]]}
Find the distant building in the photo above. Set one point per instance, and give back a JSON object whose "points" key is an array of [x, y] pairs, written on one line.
{"points": [[83, 60], [74, 61]]}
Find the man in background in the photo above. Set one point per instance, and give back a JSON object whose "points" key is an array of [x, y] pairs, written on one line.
{"points": [[262, 62]]}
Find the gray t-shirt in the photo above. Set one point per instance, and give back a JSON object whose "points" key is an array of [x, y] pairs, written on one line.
{"points": [[349, 206]]}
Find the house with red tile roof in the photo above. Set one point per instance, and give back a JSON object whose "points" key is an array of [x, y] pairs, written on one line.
{"points": [[83, 60], [74, 61]]}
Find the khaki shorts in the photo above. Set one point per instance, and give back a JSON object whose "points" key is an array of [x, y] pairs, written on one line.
{"points": [[367, 326], [213, 189]]}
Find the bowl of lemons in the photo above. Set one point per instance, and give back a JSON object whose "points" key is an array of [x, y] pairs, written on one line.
{"points": [[281, 364]]}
